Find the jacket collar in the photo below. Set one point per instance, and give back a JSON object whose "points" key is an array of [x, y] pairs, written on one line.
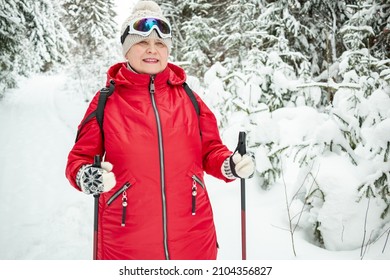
{"points": [[122, 75]]}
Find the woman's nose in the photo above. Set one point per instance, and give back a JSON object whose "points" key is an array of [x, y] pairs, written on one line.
{"points": [[151, 48]]}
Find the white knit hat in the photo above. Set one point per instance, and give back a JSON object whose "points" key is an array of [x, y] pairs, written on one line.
{"points": [[143, 9]]}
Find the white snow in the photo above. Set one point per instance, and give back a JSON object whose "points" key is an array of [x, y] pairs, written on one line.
{"points": [[44, 218]]}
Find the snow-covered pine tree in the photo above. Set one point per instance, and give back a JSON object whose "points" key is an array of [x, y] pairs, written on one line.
{"points": [[96, 43], [32, 39], [330, 55], [195, 25], [370, 106], [358, 126], [12, 40], [275, 65], [48, 36], [257, 44], [379, 21]]}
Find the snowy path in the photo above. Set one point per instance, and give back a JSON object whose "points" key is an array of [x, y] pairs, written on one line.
{"points": [[43, 217], [40, 214]]}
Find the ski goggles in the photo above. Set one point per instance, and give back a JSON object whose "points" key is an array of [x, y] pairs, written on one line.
{"points": [[144, 26]]}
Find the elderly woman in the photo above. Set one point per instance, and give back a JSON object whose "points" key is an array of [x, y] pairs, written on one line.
{"points": [[153, 201]]}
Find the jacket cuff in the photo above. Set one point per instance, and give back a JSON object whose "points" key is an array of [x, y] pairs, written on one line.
{"points": [[226, 169]]}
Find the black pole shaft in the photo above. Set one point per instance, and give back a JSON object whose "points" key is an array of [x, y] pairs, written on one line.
{"points": [[241, 148], [96, 163], [243, 220]]}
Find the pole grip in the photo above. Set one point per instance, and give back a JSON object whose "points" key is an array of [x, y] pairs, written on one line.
{"points": [[241, 147], [97, 161]]}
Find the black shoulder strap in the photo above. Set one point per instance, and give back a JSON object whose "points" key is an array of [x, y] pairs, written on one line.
{"points": [[104, 94], [99, 112], [107, 91], [192, 97]]}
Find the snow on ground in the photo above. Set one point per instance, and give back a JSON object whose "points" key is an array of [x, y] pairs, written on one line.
{"points": [[43, 218]]}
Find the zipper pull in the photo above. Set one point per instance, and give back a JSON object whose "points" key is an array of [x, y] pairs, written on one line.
{"points": [[194, 193], [124, 206], [151, 85]]}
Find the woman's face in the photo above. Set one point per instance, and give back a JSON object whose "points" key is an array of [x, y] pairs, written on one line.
{"points": [[149, 56]]}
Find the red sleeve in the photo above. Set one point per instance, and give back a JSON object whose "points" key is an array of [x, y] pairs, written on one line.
{"points": [[88, 144], [214, 152]]}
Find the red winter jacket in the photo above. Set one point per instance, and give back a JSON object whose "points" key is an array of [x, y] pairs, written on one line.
{"points": [[154, 143]]}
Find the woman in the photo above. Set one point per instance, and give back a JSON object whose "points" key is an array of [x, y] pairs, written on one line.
{"points": [[153, 201]]}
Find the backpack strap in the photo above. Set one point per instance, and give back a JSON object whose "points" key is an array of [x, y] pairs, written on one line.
{"points": [[107, 91], [192, 97], [104, 94], [99, 112]]}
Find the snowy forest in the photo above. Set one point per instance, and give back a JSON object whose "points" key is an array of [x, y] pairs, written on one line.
{"points": [[309, 81]]}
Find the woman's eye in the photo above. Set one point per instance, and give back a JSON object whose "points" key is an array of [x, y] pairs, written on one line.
{"points": [[143, 43]]}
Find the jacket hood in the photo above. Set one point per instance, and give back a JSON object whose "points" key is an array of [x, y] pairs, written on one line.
{"points": [[122, 76]]}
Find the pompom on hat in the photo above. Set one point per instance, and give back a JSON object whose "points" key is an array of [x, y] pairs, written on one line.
{"points": [[143, 9]]}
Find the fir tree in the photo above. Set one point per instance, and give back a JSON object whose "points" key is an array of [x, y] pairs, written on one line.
{"points": [[195, 24], [48, 36], [32, 39], [359, 107], [260, 57], [12, 40], [95, 35], [90, 24]]}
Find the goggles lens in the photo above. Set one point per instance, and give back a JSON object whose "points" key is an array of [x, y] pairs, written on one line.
{"points": [[144, 26], [147, 24]]}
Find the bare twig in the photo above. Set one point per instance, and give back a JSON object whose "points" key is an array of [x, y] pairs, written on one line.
{"points": [[369, 242], [362, 252], [288, 212], [387, 238], [305, 202]]}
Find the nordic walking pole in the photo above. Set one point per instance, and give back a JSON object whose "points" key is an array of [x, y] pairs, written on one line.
{"points": [[241, 148], [96, 163]]}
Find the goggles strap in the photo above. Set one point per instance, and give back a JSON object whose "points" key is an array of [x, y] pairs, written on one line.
{"points": [[124, 35], [127, 32]]}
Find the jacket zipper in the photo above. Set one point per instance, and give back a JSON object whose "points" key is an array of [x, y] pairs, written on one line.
{"points": [[194, 192], [162, 170], [118, 192], [122, 191], [124, 207]]}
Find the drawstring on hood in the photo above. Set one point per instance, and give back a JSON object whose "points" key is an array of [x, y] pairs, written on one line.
{"points": [[131, 68]]}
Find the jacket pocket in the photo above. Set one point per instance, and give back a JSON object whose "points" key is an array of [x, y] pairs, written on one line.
{"points": [[122, 192], [196, 182]]}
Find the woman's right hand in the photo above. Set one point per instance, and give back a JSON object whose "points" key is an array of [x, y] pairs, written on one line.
{"points": [[96, 180]]}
